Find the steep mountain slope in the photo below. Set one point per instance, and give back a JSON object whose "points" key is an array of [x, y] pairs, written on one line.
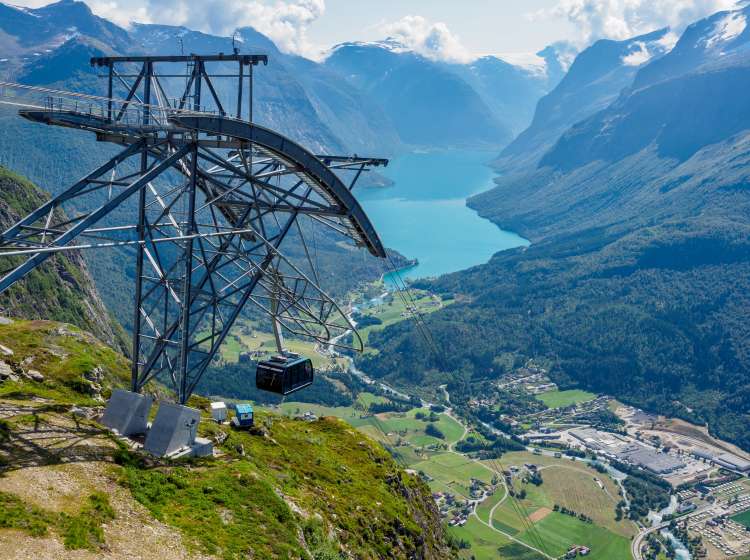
{"points": [[61, 289], [511, 92], [636, 282], [596, 77], [29, 30]]}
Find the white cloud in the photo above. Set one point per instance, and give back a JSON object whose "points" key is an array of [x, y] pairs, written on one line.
{"points": [[430, 39], [622, 19], [283, 21]]}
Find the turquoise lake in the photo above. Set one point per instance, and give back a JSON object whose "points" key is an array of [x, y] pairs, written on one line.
{"points": [[424, 215]]}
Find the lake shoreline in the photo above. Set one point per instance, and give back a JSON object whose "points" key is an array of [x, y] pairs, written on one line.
{"points": [[425, 215]]}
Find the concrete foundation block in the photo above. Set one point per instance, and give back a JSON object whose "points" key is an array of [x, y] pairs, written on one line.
{"points": [[127, 412], [173, 429]]}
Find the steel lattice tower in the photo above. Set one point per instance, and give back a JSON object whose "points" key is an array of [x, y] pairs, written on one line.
{"points": [[207, 198]]}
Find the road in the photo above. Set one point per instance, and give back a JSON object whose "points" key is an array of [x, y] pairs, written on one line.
{"points": [[451, 449], [635, 547]]}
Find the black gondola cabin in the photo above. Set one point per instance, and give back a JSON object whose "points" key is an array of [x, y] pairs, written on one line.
{"points": [[284, 375]]}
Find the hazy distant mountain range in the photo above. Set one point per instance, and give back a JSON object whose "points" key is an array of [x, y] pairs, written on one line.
{"points": [[374, 97]]}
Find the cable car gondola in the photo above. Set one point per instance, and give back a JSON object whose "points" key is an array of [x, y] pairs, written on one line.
{"points": [[284, 374]]}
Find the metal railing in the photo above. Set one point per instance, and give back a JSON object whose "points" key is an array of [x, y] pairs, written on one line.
{"points": [[112, 110]]}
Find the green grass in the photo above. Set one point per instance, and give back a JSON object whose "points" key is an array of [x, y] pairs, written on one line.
{"points": [[325, 469], [484, 541], [16, 514], [85, 529], [261, 522], [558, 532], [79, 531], [395, 311], [366, 399], [453, 472], [400, 425], [561, 399], [742, 518], [483, 509], [63, 357]]}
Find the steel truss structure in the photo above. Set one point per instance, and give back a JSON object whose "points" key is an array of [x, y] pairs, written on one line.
{"points": [[206, 199]]}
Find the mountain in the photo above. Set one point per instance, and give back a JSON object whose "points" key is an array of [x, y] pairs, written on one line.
{"points": [[31, 30], [637, 279], [413, 90], [595, 79], [509, 91], [62, 289], [511, 85]]}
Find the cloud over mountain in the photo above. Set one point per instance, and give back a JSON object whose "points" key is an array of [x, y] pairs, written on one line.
{"points": [[621, 19], [433, 40]]}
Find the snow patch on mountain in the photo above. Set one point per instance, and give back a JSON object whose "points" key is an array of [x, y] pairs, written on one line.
{"points": [[727, 28], [531, 62], [388, 44], [642, 52]]}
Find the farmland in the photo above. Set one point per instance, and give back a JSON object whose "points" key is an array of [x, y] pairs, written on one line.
{"points": [[561, 399], [568, 484]]}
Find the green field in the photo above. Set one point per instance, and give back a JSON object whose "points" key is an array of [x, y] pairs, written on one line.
{"points": [[571, 485], [742, 518], [245, 337], [393, 311], [485, 543], [453, 471], [567, 483], [558, 532], [561, 399]]}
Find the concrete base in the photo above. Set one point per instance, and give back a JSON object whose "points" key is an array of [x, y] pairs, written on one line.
{"points": [[173, 430], [127, 412], [201, 448]]}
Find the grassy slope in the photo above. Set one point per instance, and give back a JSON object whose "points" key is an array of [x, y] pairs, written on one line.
{"points": [[300, 490], [64, 355], [62, 288]]}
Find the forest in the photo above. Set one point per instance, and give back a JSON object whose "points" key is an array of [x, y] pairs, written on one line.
{"points": [[657, 327]]}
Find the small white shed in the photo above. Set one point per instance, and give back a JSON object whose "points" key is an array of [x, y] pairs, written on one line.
{"points": [[219, 411]]}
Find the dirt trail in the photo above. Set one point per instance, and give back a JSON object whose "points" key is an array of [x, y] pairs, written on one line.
{"points": [[57, 462]]}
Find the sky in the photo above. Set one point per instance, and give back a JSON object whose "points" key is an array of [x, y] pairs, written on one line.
{"points": [[452, 30]]}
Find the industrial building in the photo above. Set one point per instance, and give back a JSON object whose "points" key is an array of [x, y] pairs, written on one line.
{"points": [[727, 460], [623, 449]]}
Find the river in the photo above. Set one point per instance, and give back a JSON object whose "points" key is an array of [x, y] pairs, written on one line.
{"points": [[424, 215]]}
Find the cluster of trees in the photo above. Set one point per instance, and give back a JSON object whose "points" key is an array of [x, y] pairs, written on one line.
{"points": [[432, 430], [582, 516], [575, 453], [431, 417], [364, 321], [536, 478], [644, 495], [491, 447], [388, 406], [603, 419]]}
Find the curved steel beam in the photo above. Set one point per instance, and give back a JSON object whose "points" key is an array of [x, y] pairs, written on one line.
{"points": [[326, 180]]}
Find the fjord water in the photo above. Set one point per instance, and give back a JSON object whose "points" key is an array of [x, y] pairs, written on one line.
{"points": [[424, 215]]}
